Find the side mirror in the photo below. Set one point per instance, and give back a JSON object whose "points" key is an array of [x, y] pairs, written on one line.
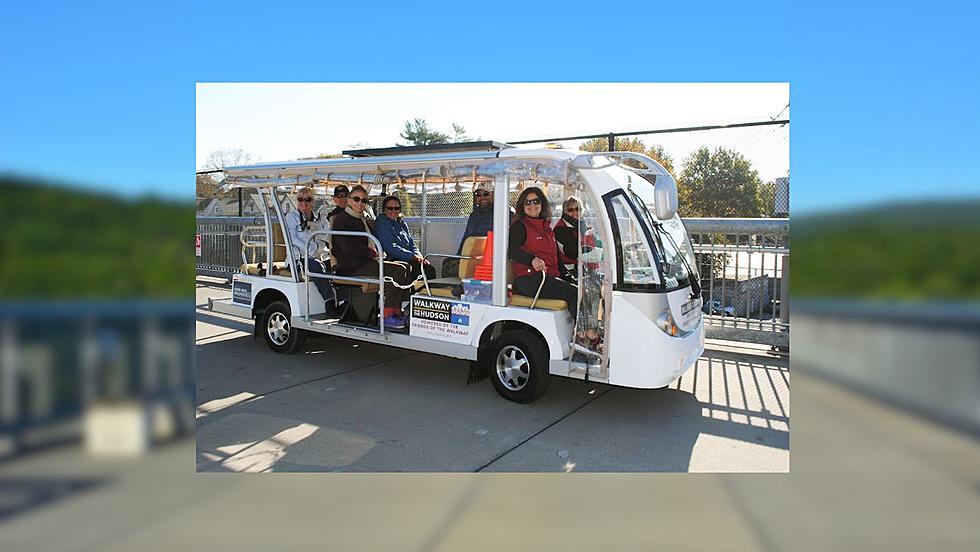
{"points": [[665, 195]]}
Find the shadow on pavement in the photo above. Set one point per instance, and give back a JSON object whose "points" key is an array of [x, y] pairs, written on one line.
{"points": [[347, 406]]}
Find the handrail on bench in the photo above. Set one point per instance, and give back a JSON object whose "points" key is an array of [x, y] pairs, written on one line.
{"points": [[381, 272]]}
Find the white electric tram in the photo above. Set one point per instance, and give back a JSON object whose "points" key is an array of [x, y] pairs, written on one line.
{"points": [[639, 321]]}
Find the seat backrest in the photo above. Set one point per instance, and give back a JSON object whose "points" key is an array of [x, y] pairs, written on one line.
{"points": [[472, 247], [278, 244]]}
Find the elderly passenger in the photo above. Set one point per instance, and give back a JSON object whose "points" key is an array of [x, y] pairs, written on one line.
{"points": [[300, 225]]}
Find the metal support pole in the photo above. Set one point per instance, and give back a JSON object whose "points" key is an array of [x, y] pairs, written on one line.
{"points": [[501, 230], [611, 141], [423, 234]]}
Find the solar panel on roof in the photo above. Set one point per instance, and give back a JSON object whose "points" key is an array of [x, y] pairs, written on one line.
{"points": [[486, 145]]}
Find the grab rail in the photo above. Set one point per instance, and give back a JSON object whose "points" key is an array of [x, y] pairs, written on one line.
{"points": [[381, 271], [251, 244], [584, 161]]}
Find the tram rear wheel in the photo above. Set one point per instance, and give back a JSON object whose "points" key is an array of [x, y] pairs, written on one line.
{"points": [[519, 367]]}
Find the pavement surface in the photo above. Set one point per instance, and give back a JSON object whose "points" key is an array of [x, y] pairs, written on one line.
{"points": [[341, 405]]}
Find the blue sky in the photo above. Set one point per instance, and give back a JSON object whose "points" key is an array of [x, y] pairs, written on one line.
{"points": [[883, 96]]}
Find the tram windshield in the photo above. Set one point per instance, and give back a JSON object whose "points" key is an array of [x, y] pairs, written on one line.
{"points": [[672, 244]]}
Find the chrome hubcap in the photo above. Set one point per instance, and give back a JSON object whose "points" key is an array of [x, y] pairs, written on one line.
{"points": [[278, 328], [513, 370]]}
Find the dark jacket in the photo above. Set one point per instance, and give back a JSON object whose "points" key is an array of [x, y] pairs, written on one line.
{"points": [[395, 239], [479, 223], [350, 252], [566, 233], [334, 212]]}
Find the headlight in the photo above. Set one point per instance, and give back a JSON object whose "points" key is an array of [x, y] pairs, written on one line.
{"points": [[666, 323]]}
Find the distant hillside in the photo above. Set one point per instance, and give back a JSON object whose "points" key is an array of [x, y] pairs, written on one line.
{"points": [[61, 242], [901, 251]]}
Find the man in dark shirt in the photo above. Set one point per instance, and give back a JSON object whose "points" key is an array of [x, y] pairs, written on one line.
{"points": [[481, 219], [340, 194]]}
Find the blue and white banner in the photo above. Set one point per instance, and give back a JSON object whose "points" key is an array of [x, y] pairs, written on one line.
{"points": [[445, 320]]}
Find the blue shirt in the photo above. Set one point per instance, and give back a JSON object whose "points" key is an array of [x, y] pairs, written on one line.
{"points": [[395, 239]]}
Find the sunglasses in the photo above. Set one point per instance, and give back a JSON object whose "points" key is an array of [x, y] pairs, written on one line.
{"points": [[482, 194], [534, 201], [393, 208], [358, 199], [340, 195], [572, 210], [304, 199]]}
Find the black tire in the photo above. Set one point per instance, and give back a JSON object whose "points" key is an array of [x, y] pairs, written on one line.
{"points": [[277, 316], [519, 386]]}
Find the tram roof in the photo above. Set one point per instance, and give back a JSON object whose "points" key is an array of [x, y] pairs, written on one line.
{"points": [[393, 159]]}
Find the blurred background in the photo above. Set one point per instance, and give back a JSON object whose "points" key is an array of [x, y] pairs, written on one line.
{"points": [[96, 316]]}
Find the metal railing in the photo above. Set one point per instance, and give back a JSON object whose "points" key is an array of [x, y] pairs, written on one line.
{"points": [[221, 246], [744, 266], [331, 277]]}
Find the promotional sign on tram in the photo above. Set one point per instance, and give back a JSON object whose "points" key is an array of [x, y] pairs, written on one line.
{"points": [[441, 319]]}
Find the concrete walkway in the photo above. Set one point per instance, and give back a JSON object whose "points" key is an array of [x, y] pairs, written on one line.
{"points": [[341, 405]]}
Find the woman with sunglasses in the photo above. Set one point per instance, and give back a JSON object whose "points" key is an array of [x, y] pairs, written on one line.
{"points": [[356, 256], [534, 250], [397, 241], [567, 234], [301, 224]]}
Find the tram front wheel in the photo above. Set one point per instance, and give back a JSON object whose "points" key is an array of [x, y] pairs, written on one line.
{"points": [[280, 335]]}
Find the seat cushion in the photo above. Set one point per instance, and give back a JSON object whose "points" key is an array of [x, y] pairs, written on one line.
{"points": [[439, 292], [278, 269], [550, 304], [365, 287], [440, 287], [444, 282]]}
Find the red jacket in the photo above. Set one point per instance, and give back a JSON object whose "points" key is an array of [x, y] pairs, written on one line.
{"points": [[540, 243]]}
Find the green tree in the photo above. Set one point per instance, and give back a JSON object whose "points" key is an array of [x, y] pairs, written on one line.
{"points": [[658, 152], [419, 134], [459, 134], [719, 183]]}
